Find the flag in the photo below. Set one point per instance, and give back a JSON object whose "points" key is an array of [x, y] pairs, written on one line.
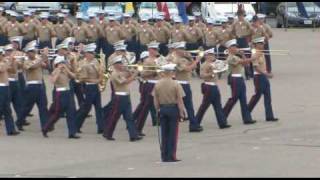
{"points": [[84, 7], [159, 6], [129, 7], [165, 9], [182, 12], [302, 9]]}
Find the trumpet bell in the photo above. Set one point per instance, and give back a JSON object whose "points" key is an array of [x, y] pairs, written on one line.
{"points": [[220, 66]]}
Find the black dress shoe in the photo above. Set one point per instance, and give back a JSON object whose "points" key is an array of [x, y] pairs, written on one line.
{"points": [[50, 129], [79, 131], [198, 129], [14, 133], [20, 128], [74, 137], [89, 115], [250, 122], [45, 134], [30, 115], [273, 119], [141, 134], [109, 138], [135, 139], [26, 123], [225, 126], [172, 160], [100, 132]]}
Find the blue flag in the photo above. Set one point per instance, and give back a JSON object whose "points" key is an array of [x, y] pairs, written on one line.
{"points": [[84, 7], [183, 12], [302, 9]]}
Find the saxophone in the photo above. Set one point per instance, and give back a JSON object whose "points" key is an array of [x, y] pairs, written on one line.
{"points": [[102, 70]]}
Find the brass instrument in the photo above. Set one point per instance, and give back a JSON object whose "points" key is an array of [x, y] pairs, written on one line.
{"points": [[252, 51], [102, 70], [219, 66]]}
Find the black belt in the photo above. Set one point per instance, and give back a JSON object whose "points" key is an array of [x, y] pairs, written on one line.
{"points": [[168, 105]]}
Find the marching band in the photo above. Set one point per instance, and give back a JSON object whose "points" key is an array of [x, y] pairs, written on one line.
{"points": [[164, 68]]}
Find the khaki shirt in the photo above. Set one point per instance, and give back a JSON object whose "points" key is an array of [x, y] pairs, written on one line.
{"points": [[241, 28], [45, 32], [211, 37], [4, 66], [33, 70], [114, 34], [89, 70], [167, 91], [12, 30], [30, 29], [95, 31], [258, 32], [206, 72], [225, 35], [195, 34], [182, 63], [162, 34], [63, 79], [129, 30], [80, 33], [62, 30], [179, 34], [260, 62], [117, 79], [234, 66], [146, 35], [267, 30]]}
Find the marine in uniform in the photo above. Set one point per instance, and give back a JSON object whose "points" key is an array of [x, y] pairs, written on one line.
{"points": [[34, 92], [3, 20], [80, 31], [185, 65], [178, 32], [211, 36], [210, 90], [45, 32], [62, 29], [261, 82], [268, 31], [145, 36], [162, 33], [5, 108], [121, 103], [237, 84], [13, 28], [63, 98], [89, 74], [130, 33], [224, 35], [168, 99], [196, 35], [151, 78], [113, 33], [30, 29]]}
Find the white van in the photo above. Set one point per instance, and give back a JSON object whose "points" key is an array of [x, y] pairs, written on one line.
{"points": [[38, 6], [222, 10]]}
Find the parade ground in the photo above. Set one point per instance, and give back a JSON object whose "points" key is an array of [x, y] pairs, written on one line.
{"points": [[287, 148]]}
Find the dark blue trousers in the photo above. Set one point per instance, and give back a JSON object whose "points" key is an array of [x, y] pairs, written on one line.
{"points": [[77, 90], [146, 104], [108, 50], [6, 110], [34, 94], [262, 87], [163, 49], [44, 44], [22, 81], [238, 88], [140, 50], [16, 97], [121, 105], [192, 46], [243, 43], [25, 42], [63, 103], [211, 95], [267, 57], [169, 123], [92, 97], [187, 100]]}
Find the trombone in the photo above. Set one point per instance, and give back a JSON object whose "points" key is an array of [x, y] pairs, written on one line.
{"points": [[250, 51]]}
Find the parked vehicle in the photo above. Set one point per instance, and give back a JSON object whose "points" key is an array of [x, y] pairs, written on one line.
{"points": [[108, 7], [288, 15], [150, 10], [38, 6], [221, 10]]}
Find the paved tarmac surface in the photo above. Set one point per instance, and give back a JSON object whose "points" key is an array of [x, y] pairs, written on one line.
{"points": [[287, 148]]}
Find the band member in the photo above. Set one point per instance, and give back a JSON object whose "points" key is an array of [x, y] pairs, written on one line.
{"points": [[210, 35], [145, 35], [199, 21], [242, 30], [80, 31], [63, 98], [14, 86], [3, 20], [5, 108], [113, 33], [151, 78], [225, 35], [45, 32], [121, 103], [185, 65], [237, 84], [130, 33], [34, 92], [29, 27], [196, 35], [210, 90], [178, 32], [90, 75], [162, 33], [13, 27], [94, 29], [168, 100], [261, 82], [62, 29], [268, 31]]}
